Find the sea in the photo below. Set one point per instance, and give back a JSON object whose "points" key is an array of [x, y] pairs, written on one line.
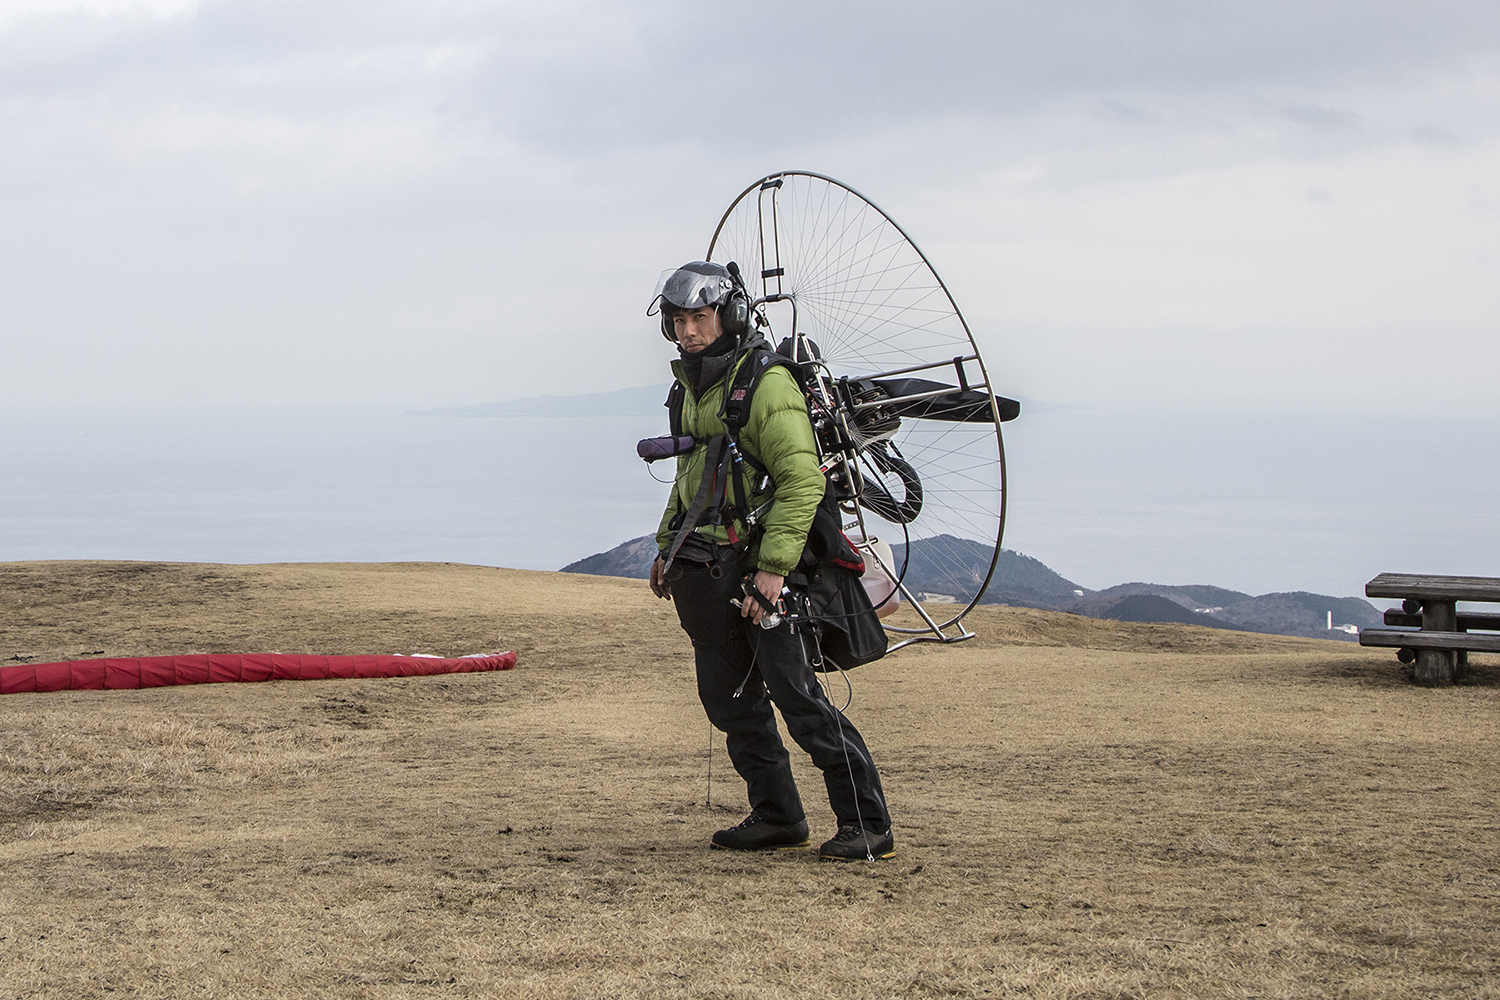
{"points": [[1258, 502]]}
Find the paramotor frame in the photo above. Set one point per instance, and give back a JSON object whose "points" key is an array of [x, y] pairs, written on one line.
{"points": [[876, 326]]}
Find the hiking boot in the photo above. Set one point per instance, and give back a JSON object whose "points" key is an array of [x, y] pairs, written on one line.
{"points": [[754, 833], [852, 843]]}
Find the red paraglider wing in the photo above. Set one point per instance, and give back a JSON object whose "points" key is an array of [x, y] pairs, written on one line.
{"points": [[161, 671]]}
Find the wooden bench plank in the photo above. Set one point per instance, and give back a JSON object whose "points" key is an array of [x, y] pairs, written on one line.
{"points": [[1467, 621], [1397, 638], [1442, 588]]}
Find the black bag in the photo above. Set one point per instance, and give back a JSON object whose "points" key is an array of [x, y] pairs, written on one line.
{"points": [[826, 541], [851, 631]]}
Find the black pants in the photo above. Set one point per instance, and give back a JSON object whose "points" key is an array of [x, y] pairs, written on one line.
{"points": [[742, 670]]}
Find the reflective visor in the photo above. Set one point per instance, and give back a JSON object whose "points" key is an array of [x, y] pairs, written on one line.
{"points": [[692, 286]]}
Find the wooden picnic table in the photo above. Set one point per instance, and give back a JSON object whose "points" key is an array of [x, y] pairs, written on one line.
{"points": [[1443, 638]]}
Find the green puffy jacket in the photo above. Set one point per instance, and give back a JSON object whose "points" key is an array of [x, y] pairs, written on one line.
{"points": [[779, 437]]}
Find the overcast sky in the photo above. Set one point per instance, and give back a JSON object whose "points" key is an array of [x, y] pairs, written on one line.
{"points": [[1278, 205]]}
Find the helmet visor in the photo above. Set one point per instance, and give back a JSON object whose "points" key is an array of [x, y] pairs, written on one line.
{"points": [[692, 286]]}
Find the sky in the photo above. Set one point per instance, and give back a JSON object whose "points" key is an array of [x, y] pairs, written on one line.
{"points": [[1244, 214], [1279, 206]]}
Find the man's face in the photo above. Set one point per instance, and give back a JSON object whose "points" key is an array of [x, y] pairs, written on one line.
{"points": [[697, 329]]}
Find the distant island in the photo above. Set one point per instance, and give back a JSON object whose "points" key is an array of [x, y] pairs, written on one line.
{"points": [[937, 564]]}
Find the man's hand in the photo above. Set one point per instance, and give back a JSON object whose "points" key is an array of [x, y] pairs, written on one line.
{"points": [[659, 585], [768, 584]]}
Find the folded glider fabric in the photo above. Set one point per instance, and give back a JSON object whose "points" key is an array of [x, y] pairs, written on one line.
{"points": [[160, 671]]}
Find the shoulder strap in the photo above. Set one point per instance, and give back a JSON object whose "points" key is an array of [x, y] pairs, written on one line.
{"points": [[674, 407], [742, 392]]}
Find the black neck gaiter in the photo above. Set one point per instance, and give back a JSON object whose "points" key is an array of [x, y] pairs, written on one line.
{"points": [[709, 365]]}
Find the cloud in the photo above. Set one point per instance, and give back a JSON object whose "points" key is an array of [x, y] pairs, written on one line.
{"points": [[1434, 135], [469, 201], [1322, 119], [13, 10]]}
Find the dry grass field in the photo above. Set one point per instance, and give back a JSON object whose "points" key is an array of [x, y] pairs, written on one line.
{"points": [[1083, 808]]}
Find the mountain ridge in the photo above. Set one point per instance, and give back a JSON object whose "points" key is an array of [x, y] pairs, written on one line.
{"points": [[941, 564]]}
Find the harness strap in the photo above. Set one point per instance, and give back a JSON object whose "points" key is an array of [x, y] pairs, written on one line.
{"points": [[700, 501], [721, 479], [740, 506]]}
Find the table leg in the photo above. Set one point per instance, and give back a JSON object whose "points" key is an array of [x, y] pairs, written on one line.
{"points": [[1436, 666]]}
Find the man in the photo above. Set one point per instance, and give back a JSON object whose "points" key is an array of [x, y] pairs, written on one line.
{"points": [[743, 666]]}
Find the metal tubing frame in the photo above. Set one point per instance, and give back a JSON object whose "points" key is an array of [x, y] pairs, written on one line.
{"points": [[917, 635], [913, 398], [922, 368], [773, 183], [824, 379]]}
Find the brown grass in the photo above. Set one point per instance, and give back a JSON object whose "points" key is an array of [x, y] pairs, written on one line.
{"points": [[1084, 808]]}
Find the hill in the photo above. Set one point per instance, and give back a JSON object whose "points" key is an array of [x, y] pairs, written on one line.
{"points": [[1296, 613], [631, 559], [944, 564], [948, 565], [1150, 608]]}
